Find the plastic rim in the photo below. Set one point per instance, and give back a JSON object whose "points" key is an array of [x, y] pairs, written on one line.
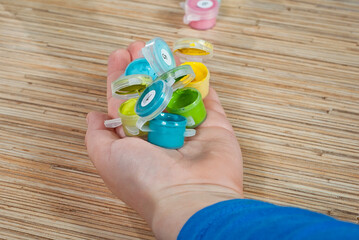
{"points": [[178, 77], [172, 120], [132, 130], [193, 49], [152, 102], [159, 56], [169, 120], [127, 87]]}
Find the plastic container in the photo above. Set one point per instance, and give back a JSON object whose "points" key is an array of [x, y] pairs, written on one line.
{"points": [[188, 103], [159, 56], [152, 102], [128, 119], [127, 87], [201, 82], [178, 77], [193, 50], [140, 66], [169, 130], [201, 14]]}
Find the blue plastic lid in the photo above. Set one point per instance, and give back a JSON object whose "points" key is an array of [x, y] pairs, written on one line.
{"points": [[140, 66], [152, 102], [159, 56]]}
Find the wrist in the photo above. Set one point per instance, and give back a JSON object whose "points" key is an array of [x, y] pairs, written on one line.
{"points": [[177, 204]]}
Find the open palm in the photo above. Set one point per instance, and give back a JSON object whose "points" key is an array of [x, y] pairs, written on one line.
{"points": [[142, 174]]}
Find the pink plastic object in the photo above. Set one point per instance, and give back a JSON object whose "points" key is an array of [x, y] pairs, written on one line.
{"points": [[201, 14]]}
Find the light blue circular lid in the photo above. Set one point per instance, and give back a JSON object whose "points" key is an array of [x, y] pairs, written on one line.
{"points": [[140, 66], [159, 56], [153, 100]]}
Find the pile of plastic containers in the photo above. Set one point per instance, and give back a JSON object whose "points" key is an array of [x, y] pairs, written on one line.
{"points": [[164, 102]]}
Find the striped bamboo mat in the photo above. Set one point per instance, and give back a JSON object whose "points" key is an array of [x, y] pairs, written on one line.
{"points": [[287, 73]]}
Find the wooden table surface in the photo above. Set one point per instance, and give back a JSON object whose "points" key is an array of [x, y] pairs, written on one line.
{"points": [[287, 73]]}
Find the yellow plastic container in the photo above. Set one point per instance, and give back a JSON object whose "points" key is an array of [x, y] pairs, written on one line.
{"points": [[201, 82], [129, 118]]}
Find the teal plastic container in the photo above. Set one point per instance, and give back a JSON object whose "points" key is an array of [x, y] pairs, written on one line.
{"points": [[169, 130]]}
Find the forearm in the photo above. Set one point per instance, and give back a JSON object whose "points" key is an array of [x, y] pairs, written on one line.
{"points": [[178, 204]]}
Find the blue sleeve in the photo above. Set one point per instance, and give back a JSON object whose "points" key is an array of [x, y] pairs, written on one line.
{"points": [[251, 219]]}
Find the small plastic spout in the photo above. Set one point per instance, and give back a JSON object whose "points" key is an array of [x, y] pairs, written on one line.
{"points": [[113, 123], [190, 133], [190, 18], [190, 121]]}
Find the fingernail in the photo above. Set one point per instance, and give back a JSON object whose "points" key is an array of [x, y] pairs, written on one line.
{"points": [[87, 119]]}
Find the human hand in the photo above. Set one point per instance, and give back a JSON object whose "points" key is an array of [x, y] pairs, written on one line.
{"points": [[165, 186]]}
